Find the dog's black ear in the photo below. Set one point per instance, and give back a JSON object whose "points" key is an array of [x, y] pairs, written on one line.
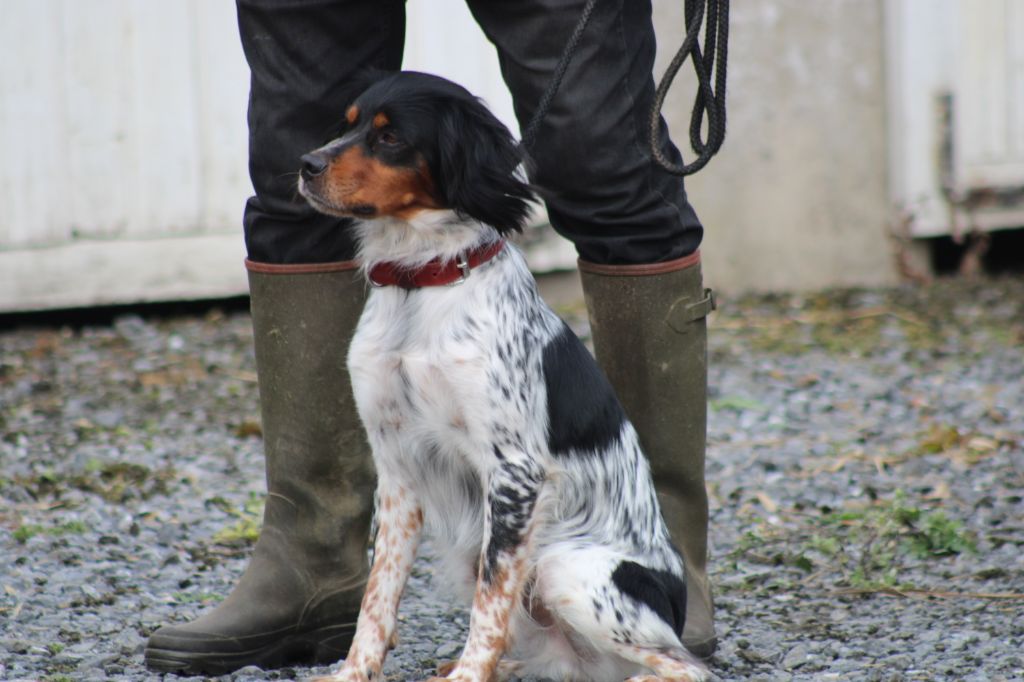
{"points": [[478, 167]]}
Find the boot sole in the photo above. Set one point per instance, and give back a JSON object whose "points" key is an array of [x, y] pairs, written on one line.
{"points": [[319, 647], [702, 650]]}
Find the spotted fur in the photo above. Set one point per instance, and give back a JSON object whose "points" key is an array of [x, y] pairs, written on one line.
{"points": [[493, 430]]}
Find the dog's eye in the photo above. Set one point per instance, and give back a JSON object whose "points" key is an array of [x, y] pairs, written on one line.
{"points": [[388, 138]]}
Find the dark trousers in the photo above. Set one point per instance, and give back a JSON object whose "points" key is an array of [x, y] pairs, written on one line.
{"points": [[591, 156]]}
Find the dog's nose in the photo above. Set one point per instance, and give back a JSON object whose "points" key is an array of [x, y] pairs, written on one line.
{"points": [[313, 164]]}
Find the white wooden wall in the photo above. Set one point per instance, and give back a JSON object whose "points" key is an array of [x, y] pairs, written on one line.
{"points": [[123, 165], [122, 177]]}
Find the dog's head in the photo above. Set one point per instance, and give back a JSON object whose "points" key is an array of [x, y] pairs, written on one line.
{"points": [[413, 142]]}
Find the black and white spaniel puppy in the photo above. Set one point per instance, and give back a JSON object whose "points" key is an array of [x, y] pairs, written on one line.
{"points": [[493, 430]]}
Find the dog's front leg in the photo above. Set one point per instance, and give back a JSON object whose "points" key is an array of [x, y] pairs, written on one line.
{"points": [[513, 489], [400, 521]]}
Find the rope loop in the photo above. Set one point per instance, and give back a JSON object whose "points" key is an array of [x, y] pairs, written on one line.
{"points": [[710, 100]]}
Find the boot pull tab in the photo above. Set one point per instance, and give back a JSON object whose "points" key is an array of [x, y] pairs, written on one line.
{"points": [[683, 312]]}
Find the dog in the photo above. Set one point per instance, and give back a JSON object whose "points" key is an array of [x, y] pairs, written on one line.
{"points": [[492, 429]]}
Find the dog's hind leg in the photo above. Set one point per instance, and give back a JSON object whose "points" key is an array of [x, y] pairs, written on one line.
{"points": [[672, 665], [506, 670], [624, 616], [400, 521]]}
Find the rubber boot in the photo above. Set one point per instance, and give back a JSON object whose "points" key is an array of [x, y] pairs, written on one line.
{"points": [[298, 600], [650, 338]]}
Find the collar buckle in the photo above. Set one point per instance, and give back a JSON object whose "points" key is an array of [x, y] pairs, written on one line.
{"points": [[463, 265]]}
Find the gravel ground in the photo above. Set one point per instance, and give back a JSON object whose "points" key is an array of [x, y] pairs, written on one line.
{"points": [[866, 470]]}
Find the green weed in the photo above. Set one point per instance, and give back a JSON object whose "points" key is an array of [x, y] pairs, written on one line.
{"points": [[115, 482], [871, 545], [737, 403], [246, 530], [26, 531], [868, 548], [197, 597]]}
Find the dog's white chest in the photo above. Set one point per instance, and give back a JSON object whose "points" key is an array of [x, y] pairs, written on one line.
{"points": [[418, 374]]}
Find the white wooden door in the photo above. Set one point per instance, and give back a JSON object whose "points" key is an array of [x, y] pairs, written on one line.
{"points": [[956, 113]]}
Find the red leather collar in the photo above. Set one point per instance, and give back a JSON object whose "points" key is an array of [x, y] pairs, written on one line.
{"points": [[435, 273]]}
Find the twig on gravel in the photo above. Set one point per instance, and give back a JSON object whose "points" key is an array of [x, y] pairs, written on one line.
{"points": [[916, 592], [817, 318]]}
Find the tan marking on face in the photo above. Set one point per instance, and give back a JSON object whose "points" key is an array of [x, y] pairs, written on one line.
{"points": [[352, 114], [355, 179], [380, 120]]}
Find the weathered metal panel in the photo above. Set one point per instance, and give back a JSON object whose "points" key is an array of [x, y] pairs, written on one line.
{"points": [[956, 113], [989, 102], [920, 57]]}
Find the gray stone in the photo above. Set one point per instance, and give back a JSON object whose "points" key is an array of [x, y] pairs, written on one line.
{"points": [[448, 650], [796, 657], [249, 672]]}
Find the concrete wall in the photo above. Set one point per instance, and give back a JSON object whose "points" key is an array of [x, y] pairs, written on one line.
{"points": [[797, 198]]}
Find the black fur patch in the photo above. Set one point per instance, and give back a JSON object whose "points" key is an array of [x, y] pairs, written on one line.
{"points": [[583, 413], [512, 495], [661, 591]]}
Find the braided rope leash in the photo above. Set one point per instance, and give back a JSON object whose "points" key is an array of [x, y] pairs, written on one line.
{"points": [[709, 99], [530, 135]]}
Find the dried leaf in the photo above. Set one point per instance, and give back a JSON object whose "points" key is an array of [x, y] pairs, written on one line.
{"points": [[249, 427], [982, 444], [940, 492], [770, 505]]}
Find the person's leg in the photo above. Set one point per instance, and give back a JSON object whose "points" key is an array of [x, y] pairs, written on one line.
{"points": [[306, 59], [624, 213], [591, 156], [299, 597]]}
